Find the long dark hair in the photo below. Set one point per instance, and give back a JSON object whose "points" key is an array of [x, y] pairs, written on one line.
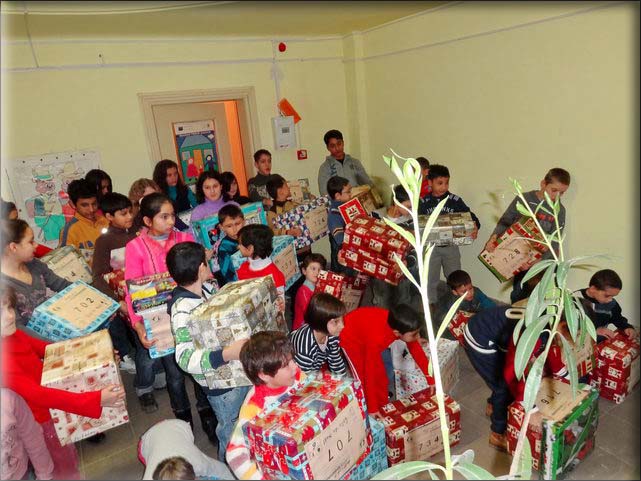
{"points": [[151, 205], [209, 174], [95, 178], [12, 231], [160, 176]]}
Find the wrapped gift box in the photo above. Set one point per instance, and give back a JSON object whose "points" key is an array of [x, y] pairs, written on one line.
{"points": [[364, 262], [376, 238], [617, 367], [150, 291], [346, 288], [566, 434], [458, 323], [319, 431], [74, 311], [299, 190], [157, 323], [368, 197], [185, 216], [283, 256], [512, 252], [68, 263], [79, 365], [376, 460], [116, 281], [584, 356], [310, 217], [454, 228], [235, 312], [409, 379], [352, 209]]}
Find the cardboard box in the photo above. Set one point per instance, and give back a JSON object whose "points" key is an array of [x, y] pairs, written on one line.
{"points": [[413, 426], [310, 217], [80, 365], [364, 262], [318, 432], [458, 323], [299, 190], [235, 312], [376, 460], [512, 252], [150, 291], [116, 281], [584, 356], [617, 367], [348, 289], [77, 310], [376, 238], [157, 323], [409, 379], [454, 228], [68, 263], [368, 197], [283, 256]]}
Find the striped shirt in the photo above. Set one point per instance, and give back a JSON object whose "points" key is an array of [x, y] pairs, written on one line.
{"points": [[310, 356]]}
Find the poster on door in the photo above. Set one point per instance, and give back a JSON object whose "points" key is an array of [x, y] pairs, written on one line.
{"points": [[39, 188], [196, 148]]}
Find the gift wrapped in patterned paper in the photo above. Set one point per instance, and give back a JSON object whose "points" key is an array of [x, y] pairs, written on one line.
{"points": [[454, 228], [299, 190], [320, 431], [235, 312], [512, 251], [80, 365], [617, 367], [376, 460], [150, 291], [185, 216], [409, 378], [310, 217], [565, 435], [68, 263], [116, 281], [376, 238], [157, 323], [346, 288], [368, 197], [352, 209], [283, 256], [370, 265], [584, 356], [458, 323], [413, 426], [74, 311]]}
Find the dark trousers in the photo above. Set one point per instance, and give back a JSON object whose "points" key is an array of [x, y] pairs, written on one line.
{"points": [[120, 335], [518, 293], [490, 368]]}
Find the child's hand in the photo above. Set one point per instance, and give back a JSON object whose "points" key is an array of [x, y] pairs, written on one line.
{"points": [[605, 332], [475, 233], [142, 335], [232, 352], [268, 202], [489, 245], [296, 232], [123, 308], [116, 356], [280, 303], [112, 396], [209, 253], [631, 332]]}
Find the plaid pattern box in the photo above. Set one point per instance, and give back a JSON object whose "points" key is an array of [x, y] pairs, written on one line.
{"points": [[150, 291], [617, 367], [79, 365], [318, 432], [346, 288], [413, 426], [376, 460], [458, 323], [74, 311], [68, 263], [310, 217]]}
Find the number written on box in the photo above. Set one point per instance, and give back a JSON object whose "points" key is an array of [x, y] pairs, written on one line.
{"points": [[81, 307], [337, 448], [424, 441]]}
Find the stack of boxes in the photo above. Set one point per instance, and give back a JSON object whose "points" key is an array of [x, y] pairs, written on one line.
{"points": [[617, 369], [68, 263], [454, 228], [346, 288], [457, 325], [310, 217]]}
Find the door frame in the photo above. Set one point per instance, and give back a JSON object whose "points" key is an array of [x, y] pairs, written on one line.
{"points": [[247, 108]]}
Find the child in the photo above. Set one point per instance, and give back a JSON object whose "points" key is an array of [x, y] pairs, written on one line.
{"points": [[23, 445], [280, 194], [139, 189], [602, 307], [446, 257], [21, 372], [268, 361], [175, 467], [310, 267], [10, 212], [86, 225], [167, 177], [101, 181], [339, 191], [316, 342], [339, 163], [231, 190], [209, 193], [368, 333], [188, 266], [556, 182], [231, 220], [255, 242], [395, 213], [109, 255], [257, 185], [426, 188]]}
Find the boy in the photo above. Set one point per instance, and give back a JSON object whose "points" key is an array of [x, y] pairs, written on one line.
{"points": [[231, 220], [426, 188], [256, 186], [556, 182], [367, 335], [602, 308], [340, 191], [268, 361], [310, 267], [395, 213], [340, 163], [446, 257], [278, 190], [187, 265], [86, 225], [109, 255]]}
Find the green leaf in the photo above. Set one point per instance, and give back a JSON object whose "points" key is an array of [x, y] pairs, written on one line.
{"points": [[405, 271], [570, 313], [523, 461], [466, 456], [448, 317], [574, 260], [472, 471], [548, 199], [405, 470], [517, 331], [526, 345], [517, 186], [589, 325], [570, 363], [407, 235], [533, 309], [393, 165], [533, 383], [522, 209], [426, 263], [431, 220], [535, 269], [562, 274]]}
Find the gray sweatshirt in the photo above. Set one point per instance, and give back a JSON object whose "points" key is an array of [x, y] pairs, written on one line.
{"points": [[351, 169]]}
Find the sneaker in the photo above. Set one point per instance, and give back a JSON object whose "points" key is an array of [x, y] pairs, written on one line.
{"points": [[96, 438], [489, 409], [127, 364], [148, 402], [498, 441]]}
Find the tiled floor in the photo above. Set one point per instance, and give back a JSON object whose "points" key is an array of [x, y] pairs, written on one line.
{"points": [[616, 455]]}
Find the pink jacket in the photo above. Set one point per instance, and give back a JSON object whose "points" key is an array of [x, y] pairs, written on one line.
{"points": [[303, 296], [145, 256]]}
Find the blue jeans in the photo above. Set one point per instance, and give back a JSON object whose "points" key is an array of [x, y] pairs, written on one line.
{"points": [[389, 370], [227, 406], [119, 333]]}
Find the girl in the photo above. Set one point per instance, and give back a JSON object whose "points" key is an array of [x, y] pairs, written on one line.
{"points": [[317, 342], [311, 266], [167, 178], [29, 277], [140, 189], [230, 188], [22, 371], [209, 193], [10, 212], [101, 181]]}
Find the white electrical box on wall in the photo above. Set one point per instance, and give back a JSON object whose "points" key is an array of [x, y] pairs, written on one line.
{"points": [[284, 132]]}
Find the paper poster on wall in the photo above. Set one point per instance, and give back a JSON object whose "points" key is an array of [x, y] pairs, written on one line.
{"points": [[39, 187], [196, 148]]}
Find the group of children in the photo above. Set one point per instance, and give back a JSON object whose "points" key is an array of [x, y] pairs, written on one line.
{"points": [[142, 234]]}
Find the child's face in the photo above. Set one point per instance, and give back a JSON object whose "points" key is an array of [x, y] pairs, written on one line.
{"points": [[87, 208], [104, 186], [411, 336], [264, 164], [172, 176], [554, 188], [246, 251], [212, 189], [233, 188], [440, 185], [231, 226], [122, 219], [460, 290], [311, 272], [8, 315], [283, 193], [335, 326], [284, 377], [345, 195], [603, 296], [24, 249], [424, 172], [148, 190], [163, 222], [335, 147]]}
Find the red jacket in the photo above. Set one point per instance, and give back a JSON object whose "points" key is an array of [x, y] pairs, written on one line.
{"points": [[22, 370], [365, 336], [244, 272]]}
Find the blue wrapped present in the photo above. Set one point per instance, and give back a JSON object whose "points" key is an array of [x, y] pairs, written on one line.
{"points": [[376, 460], [157, 323], [75, 311], [283, 256]]}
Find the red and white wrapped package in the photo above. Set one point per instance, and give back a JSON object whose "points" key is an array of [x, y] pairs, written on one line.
{"points": [[116, 280], [346, 288], [376, 238], [364, 262], [617, 369], [458, 323]]}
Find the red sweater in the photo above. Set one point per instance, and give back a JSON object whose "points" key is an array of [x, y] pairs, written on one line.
{"points": [[22, 370], [365, 336], [244, 272]]}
